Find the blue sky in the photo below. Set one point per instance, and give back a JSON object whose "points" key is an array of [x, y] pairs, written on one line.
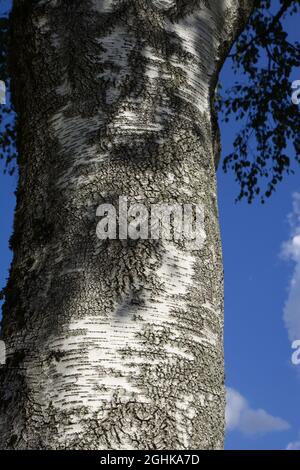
{"points": [[263, 384], [257, 287]]}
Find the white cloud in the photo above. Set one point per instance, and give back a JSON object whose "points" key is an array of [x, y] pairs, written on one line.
{"points": [[239, 416], [235, 404], [291, 251], [293, 445]]}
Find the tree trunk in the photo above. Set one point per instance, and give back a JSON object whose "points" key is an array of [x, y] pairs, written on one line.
{"points": [[115, 344]]}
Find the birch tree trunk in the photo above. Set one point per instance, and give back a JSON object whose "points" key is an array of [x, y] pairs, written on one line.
{"points": [[114, 344]]}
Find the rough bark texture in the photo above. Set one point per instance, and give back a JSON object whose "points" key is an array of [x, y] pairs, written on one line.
{"points": [[114, 344]]}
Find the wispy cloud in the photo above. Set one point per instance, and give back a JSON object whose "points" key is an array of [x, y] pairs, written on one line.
{"points": [[291, 251], [240, 416], [294, 445]]}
